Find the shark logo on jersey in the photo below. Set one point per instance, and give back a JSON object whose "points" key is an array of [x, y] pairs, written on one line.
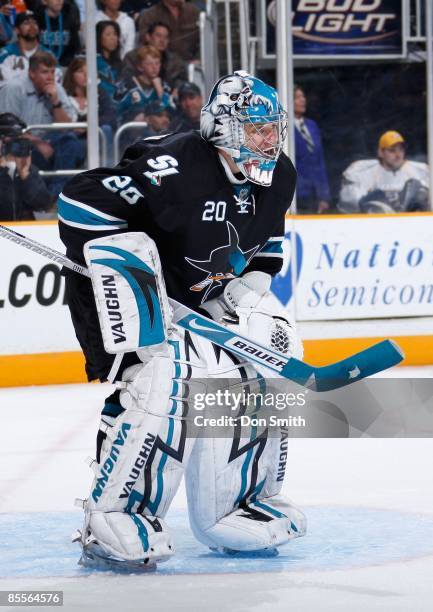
{"points": [[223, 263]]}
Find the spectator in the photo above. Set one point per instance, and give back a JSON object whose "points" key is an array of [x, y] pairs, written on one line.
{"points": [[157, 115], [145, 86], [38, 99], [134, 7], [59, 23], [23, 190], [388, 184], [108, 59], [75, 85], [182, 21], [173, 67], [110, 11], [312, 188], [6, 29], [14, 58], [190, 103]]}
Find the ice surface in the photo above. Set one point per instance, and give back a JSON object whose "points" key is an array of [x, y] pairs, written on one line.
{"points": [[369, 504]]}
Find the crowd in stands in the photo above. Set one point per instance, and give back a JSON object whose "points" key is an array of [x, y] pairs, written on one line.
{"points": [[143, 51], [387, 182], [144, 48]]}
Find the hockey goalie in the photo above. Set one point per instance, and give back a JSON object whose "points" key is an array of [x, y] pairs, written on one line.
{"points": [[198, 217]]}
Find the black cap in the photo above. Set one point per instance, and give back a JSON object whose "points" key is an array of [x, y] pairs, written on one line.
{"points": [[22, 17], [188, 89], [156, 107], [11, 125]]}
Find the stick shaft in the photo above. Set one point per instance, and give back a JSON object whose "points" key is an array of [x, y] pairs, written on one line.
{"points": [[42, 249]]}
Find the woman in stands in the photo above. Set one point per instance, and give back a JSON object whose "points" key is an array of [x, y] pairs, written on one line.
{"points": [[75, 85], [108, 59]]}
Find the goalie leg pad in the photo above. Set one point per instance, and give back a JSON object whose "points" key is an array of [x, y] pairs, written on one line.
{"points": [[229, 505], [142, 459], [233, 483]]}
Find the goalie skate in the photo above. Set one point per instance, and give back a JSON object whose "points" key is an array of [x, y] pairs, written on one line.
{"points": [[116, 547], [94, 557]]}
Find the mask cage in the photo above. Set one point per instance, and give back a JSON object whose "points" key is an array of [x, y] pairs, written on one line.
{"points": [[271, 147]]}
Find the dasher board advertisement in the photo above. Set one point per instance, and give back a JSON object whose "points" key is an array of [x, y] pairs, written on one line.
{"points": [[34, 317], [359, 267]]}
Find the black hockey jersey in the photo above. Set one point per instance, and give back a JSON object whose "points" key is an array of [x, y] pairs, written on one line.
{"points": [[175, 189]]}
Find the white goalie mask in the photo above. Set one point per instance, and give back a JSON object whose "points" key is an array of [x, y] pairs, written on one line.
{"points": [[244, 118]]}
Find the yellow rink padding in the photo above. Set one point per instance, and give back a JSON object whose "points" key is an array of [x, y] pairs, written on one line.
{"points": [[42, 369], [56, 368], [418, 350]]}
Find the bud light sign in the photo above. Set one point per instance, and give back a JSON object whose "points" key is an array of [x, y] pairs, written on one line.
{"points": [[342, 28]]}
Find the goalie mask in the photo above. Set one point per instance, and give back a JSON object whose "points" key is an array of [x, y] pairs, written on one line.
{"points": [[244, 118]]}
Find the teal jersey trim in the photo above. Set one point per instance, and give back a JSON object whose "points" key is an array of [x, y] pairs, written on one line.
{"points": [[84, 215], [112, 410], [272, 247]]}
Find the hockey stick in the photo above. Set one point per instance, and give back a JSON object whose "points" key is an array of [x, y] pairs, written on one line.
{"points": [[374, 359]]}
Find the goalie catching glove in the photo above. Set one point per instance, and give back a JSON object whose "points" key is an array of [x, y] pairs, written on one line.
{"points": [[248, 304]]}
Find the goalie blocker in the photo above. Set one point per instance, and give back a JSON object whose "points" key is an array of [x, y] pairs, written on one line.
{"points": [[129, 290]]}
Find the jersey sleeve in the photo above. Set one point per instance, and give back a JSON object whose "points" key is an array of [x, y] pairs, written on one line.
{"points": [[269, 258], [93, 205], [120, 199]]}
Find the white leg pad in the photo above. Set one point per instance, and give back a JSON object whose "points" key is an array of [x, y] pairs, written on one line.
{"points": [[142, 459], [233, 483]]}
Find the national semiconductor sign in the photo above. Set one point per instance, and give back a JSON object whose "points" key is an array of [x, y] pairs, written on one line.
{"points": [[359, 267], [340, 28]]}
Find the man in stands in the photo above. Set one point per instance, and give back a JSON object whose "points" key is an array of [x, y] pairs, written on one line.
{"points": [[145, 86], [157, 116], [190, 102], [391, 183], [14, 57], [24, 193], [312, 189], [182, 19], [173, 67], [36, 98], [59, 23]]}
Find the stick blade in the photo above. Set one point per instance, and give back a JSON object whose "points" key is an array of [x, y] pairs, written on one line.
{"points": [[372, 360]]}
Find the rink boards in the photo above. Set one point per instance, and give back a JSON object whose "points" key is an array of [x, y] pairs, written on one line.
{"points": [[358, 280]]}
